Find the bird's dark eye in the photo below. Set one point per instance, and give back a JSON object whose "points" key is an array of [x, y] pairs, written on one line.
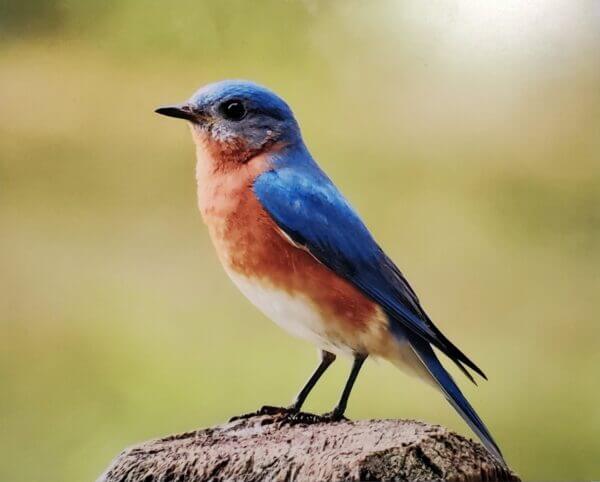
{"points": [[232, 110]]}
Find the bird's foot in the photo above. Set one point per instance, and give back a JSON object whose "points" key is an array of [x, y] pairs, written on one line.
{"points": [[304, 418], [292, 416], [272, 410], [296, 417], [334, 416], [264, 410]]}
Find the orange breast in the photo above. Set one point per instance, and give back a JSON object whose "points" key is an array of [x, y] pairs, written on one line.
{"points": [[249, 243]]}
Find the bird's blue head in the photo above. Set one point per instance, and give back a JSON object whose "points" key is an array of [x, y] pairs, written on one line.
{"points": [[237, 119]]}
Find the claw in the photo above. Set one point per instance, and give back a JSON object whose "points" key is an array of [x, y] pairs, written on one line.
{"points": [[271, 410], [264, 410], [297, 418], [334, 416]]}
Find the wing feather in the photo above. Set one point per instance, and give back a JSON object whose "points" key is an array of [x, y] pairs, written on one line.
{"points": [[310, 210]]}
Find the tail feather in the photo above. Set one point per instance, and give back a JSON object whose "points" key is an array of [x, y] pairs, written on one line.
{"points": [[453, 394], [457, 356], [465, 371]]}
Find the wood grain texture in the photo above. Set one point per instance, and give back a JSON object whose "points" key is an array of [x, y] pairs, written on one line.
{"points": [[280, 447]]}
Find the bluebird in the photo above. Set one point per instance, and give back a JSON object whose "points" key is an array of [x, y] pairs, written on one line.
{"points": [[294, 246]]}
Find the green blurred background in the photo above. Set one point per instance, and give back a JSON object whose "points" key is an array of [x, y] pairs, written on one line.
{"points": [[466, 133]]}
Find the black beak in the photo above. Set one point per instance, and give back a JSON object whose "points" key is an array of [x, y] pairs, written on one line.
{"points": [[180, 111]]}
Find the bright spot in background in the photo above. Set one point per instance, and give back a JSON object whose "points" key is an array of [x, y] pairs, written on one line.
{"points": [[509, 25], [476, 30], [520, 75]]}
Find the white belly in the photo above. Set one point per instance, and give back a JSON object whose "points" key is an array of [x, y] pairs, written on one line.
{"points": [[299, 317], [295, 314]]}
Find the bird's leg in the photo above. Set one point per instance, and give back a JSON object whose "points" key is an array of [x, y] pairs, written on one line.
{"points": [[327, 359], [338, 411]]}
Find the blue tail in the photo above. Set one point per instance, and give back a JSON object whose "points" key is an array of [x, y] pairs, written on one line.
{"points": [[454, 395]]}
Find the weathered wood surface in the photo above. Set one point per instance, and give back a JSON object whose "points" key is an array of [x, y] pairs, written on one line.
{"points": [[281, 447]]}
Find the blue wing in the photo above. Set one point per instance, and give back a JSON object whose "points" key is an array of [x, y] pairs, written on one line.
{"points": [[313, 213]]}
